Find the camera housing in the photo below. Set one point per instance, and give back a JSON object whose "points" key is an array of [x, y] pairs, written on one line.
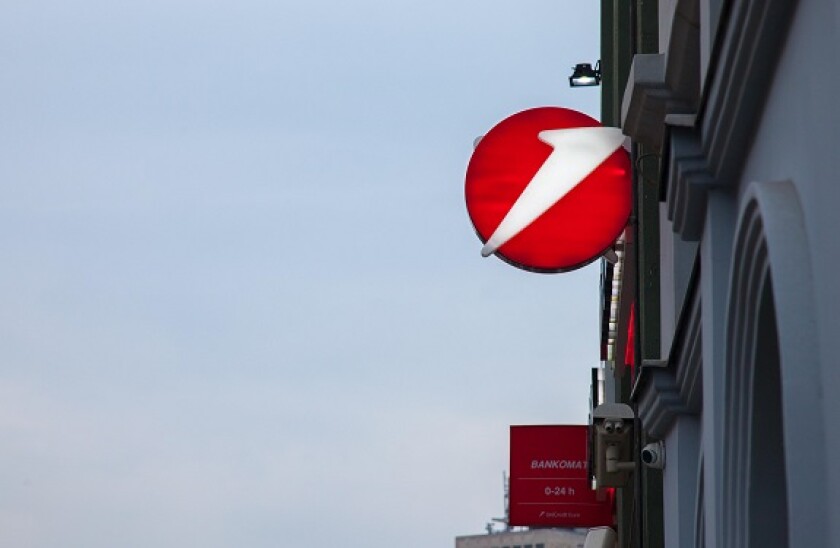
{"points": [[613, 454], [653, 455]]}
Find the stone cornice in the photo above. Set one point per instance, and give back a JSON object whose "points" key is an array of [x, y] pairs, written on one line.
{"points": [[665, 390], [712, 152], [688, 177], [663, 83], [646, 100], [708, 151], [745, 59]]}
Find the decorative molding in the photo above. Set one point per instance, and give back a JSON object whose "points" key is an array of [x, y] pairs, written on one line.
{"points": [[660, 402], [665, 392], [700, 507], [689, 180], [710, 151], [688, 356], [646, 99], [664, 83], [747, 52], [771, 255]]}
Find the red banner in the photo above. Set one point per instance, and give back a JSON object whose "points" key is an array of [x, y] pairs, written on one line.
{"points": [[548, 479]]}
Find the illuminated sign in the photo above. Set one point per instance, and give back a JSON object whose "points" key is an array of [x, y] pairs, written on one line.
{"points": [[549, 189], [549, 486]]}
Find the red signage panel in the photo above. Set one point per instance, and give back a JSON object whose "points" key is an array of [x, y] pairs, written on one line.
{"points": [[548, 479]]}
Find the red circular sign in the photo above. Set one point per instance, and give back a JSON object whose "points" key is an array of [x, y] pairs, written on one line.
{"points": [[549, 189]]}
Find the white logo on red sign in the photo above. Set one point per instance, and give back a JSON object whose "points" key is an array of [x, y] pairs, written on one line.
{"points": [[548, 189]]}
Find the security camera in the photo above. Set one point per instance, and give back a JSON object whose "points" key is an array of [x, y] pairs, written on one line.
{"points": [[613, 452], [614, 426], [653, 455]]}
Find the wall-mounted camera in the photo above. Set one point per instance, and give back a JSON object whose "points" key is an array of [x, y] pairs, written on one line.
{"points": [[613, 453], [653, 455]]}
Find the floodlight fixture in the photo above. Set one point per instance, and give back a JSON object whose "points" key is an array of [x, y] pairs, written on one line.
{"points": [[584, 75]]}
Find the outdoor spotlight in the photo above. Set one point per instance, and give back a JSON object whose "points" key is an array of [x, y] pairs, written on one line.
{"points": [[584, 75]]}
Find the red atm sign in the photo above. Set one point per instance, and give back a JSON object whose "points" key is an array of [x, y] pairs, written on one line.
{"points": [[548, 479]]}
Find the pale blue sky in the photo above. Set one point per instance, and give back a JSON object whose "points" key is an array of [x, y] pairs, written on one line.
{"points": [[241, 303]]}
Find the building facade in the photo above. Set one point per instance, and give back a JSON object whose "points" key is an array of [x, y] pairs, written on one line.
{"points": [[720, 318], [534, 538]]}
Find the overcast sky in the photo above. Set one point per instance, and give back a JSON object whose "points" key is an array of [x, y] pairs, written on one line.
{"points": [[241, 302]]}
